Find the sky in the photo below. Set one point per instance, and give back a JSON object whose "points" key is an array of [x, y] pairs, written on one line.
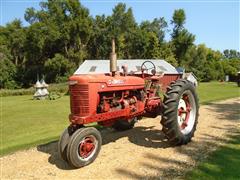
{"points": [[216, 23]]}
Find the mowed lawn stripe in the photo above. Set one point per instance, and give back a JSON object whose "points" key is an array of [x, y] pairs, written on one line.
{"points": [[28, 122], [221, 164]]}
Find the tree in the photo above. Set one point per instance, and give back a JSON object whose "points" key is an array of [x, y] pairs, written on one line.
{"points": [[121, 24], [139, 44], [68, 26], [59, 27], [231, 66], [62, 34], [15, 37], [204, 63], [7, 69], [157, 26], [231, 53], [98, 46], [152, 50], [178, 19], [57, 68], [166, 53], [181, 38]]}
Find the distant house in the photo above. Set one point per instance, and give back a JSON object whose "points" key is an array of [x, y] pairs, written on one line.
{"points": [[134, 65]]}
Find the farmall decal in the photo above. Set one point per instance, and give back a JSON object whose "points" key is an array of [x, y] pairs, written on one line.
{"points": [[116, 82]]}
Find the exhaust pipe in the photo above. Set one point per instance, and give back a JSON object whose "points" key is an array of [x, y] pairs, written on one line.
{"points": [[113, 59]]}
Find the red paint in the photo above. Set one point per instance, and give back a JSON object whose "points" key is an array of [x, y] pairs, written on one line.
{"points": [[103, 98], [167, 79], [86, 147], [187, 112], [79, 99]]}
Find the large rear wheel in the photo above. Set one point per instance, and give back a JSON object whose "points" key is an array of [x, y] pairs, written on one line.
{"points": [[180, 112]]}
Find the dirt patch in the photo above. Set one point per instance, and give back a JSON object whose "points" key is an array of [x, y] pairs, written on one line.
{"points": [[138, 153]]}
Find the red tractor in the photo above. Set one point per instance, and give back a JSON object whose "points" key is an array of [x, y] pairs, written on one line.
{"points": [[118, 100]]}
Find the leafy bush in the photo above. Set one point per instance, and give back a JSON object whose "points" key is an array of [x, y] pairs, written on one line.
{"points": [[16, 92], [231, 66], [53, 88], [7, 72], [58, 68], [54, 96], [61, 88]]}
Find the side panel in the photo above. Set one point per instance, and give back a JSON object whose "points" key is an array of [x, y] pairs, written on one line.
{"points": [[167, 79], [93, 98]]}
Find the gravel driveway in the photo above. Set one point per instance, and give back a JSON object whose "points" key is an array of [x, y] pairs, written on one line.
{"points": [[140, 153]]}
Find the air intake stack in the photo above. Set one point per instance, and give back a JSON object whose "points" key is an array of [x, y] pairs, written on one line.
{"points": [[113, 59]]}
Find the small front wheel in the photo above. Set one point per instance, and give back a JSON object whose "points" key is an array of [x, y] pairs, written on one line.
{"points": [[63, 144], [84, 146]]}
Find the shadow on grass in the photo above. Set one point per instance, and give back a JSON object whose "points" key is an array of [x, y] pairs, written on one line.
{"points": [[224, 161], [13, 149]]}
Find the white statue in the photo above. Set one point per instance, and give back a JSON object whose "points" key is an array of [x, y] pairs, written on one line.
{"points": [[41, 90]]}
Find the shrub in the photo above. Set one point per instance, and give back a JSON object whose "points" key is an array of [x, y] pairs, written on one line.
{"points": [[7, 73], [53, 88], [57, 68]]}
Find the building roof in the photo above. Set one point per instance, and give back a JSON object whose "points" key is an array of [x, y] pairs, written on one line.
{"points": [[102, 66]]}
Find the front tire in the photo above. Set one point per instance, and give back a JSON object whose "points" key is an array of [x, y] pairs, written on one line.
{"points": [[180, 112], [84, 147], [63, 144]]}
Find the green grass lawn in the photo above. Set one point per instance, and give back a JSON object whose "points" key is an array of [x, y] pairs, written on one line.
{"points": [[221, 164], [214, 91], [26, 122]]}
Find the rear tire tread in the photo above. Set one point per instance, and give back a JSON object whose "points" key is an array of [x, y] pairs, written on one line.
{"points": [[169, 117]]}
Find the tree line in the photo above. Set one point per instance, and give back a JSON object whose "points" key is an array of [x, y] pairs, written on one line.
{"points": [[62, 34]]}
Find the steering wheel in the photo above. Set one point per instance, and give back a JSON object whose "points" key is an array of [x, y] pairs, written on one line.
{"points": [[148, 65]]}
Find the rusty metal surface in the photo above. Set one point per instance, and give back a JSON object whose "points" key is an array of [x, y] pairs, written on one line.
{"points": [[113, 58]]}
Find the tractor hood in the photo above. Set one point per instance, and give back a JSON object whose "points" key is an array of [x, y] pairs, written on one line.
{"points": [[107, 79]]}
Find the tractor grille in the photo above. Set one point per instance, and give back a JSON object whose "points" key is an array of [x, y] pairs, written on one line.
{"points": [[79, 99]]}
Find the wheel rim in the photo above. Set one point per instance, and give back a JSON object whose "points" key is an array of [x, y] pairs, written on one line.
{"points": [[186, 112], [87, 147]]}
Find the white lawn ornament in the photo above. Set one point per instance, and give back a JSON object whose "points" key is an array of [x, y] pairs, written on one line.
{"points": [[41, 90]]}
